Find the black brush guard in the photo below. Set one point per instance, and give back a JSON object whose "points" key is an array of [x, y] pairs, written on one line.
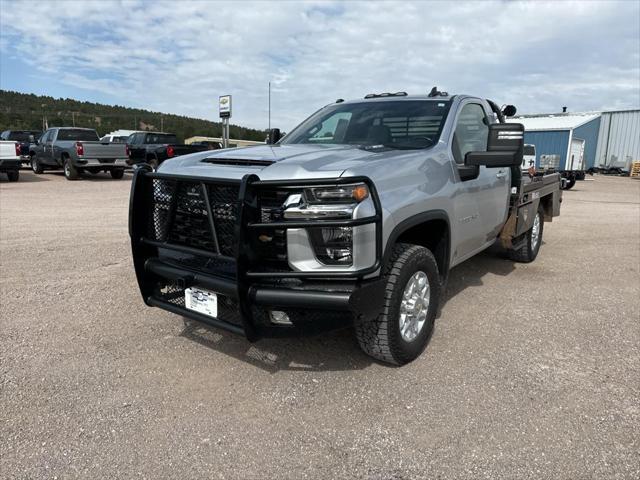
{"points": [[251, 290]]}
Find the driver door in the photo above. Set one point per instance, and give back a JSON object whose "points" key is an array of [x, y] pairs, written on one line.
{"points": [[46, 148], [481, 202]]}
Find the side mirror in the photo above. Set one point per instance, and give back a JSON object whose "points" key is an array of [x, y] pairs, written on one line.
{"points": [[505, 147], [274, 136], [509, 110]]}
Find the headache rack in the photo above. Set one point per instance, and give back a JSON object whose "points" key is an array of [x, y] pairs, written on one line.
{"points": [[190, 231]]}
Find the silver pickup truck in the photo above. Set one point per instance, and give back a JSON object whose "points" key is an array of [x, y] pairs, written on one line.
{"points": [[77, 150], [352, 219]]}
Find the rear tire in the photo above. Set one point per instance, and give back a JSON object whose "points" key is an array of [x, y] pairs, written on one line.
{"points": [[13, 175], [70, 171], [402, 330], [529, 251], [569, 184], [36, 166], [117, 173]]}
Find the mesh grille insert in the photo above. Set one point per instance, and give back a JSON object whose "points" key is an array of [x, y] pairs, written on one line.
{"points": [[180, 215]]}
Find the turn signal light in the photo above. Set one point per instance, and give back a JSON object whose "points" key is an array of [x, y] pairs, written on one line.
{"points": [[79, 148], [18, 150], [360, 192]]}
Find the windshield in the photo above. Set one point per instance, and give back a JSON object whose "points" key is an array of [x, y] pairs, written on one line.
{"points": [[77, 134], [154, 138], [406, 124]]}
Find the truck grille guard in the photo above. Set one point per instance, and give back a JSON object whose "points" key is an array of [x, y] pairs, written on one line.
{"points": [[224, 229]]}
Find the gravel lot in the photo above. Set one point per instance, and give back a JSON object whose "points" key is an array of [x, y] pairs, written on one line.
{"points": [[533, 370]]}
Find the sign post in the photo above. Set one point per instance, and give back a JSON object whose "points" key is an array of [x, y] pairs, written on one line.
{"points": [[224, 108]]}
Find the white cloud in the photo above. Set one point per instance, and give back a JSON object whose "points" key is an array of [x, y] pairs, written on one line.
{"points": [[178, 57]]}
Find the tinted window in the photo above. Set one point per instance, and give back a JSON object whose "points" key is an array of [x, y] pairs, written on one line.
{"points": [[20, 136], [389, 123], [77, 134], [161, 138], [529, 150], [46, 137], [472, 132]]}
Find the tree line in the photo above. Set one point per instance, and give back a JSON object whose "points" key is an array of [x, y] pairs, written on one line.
{"points": [[25, 111]]}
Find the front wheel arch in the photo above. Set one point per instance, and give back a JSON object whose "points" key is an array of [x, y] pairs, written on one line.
{"points": [[428, 229]]}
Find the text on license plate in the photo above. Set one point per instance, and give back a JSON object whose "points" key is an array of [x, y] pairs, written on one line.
{"points": [[201, 301]]}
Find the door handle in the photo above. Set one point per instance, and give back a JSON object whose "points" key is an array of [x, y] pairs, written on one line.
{"points": [[501, 174]]}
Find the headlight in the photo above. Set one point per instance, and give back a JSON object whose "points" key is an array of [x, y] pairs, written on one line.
{"points": [[325, 203], [337, 194]]}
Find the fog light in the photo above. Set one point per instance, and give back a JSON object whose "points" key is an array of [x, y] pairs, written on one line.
{"points": [[279, 318], [333, 246]]}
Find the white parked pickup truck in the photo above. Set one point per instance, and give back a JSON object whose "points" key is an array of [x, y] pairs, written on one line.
{"points": [[10, 159]]}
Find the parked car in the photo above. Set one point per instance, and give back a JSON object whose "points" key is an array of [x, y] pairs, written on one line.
{"points": [[353, 219], [114, 139], [208, 145], [77, 150], [10, 159], [24, 138], [155, 147]]}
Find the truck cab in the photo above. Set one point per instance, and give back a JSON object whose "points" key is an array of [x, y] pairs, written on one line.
{"points": [[354, 218]]}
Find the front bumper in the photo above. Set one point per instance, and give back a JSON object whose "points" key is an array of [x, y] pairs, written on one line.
{"points": [[10, 164], [314, 301]]}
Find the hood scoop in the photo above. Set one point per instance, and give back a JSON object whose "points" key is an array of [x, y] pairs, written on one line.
{"points": [[239, 162]]}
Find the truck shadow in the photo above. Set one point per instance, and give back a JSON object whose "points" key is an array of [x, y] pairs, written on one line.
{"points": [[332, 351], [337, 350], [25, 177], [494, 260]]}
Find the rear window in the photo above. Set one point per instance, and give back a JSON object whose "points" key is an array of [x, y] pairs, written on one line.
{"points": [[529, 150], [21, 136], [161, 138], [76, 134]]}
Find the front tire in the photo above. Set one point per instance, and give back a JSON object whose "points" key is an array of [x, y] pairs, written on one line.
{"points": [[401, 331], [36, 166], [529, 251], [13, 175], [70, 171]]}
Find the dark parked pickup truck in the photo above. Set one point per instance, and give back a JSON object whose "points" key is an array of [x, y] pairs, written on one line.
{"points": [[23, 138], [154, 148], [77, 150]]}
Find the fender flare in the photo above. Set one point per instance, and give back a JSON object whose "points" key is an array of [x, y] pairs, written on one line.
{"points": [[413, 221]]}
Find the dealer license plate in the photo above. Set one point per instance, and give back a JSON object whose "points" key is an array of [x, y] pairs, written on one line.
{"points": [[201, 301]]}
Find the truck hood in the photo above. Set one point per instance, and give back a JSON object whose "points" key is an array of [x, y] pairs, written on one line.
{"points": [[272, 162]]}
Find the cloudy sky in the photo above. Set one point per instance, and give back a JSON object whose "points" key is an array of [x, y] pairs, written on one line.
{"points": [[177, 57]]}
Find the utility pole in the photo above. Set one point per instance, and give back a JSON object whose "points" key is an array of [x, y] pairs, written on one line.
{"points": [[73, 118], [161, 123], [269, 105]]}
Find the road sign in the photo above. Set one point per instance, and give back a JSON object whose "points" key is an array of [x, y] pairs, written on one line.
{"points": [[224, 106]]}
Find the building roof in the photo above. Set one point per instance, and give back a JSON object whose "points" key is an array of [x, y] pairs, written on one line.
{"points": [[554, 121]]}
